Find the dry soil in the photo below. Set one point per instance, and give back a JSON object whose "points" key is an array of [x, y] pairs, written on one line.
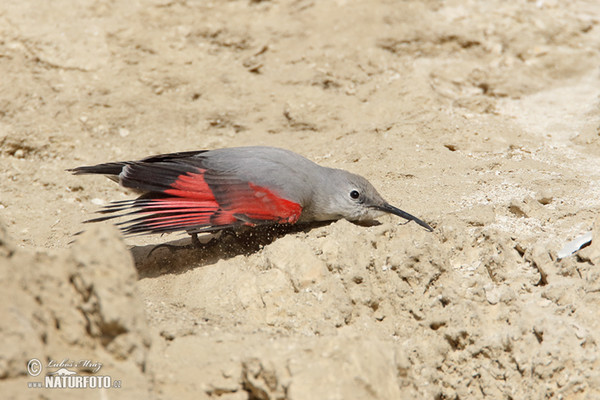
{"points": [[480, 117]]}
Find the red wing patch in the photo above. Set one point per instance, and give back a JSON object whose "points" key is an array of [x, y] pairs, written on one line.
{"points": [[190, 203], [193, 186], [253, 204], [268, 206]]}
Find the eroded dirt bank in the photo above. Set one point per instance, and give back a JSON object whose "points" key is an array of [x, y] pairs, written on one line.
{"points": [[479, 117]]}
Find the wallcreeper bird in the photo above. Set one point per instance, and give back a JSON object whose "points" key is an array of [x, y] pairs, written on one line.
{"points": [[210, 190]]}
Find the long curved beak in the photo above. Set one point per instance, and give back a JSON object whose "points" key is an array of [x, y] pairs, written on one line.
{"points": [[396, 211]]}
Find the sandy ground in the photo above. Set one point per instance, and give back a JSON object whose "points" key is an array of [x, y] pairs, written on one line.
{"points": [[481, 117]]}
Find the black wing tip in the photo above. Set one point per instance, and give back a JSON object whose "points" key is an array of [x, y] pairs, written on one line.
{"points": [[144, 224]]}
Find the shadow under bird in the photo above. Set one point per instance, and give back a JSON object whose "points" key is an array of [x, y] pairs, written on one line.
{"points": [[210, 190]]}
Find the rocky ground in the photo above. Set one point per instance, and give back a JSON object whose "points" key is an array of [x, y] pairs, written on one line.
{"points": [[481, 118]]}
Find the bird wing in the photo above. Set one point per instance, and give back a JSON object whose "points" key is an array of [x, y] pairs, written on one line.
{"points": [[181, 194]]}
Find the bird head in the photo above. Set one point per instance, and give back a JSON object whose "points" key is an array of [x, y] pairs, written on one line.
{"points": [[352, 197]]}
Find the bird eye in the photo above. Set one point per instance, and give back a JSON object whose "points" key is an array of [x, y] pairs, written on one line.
{"points": [[354, 194]]}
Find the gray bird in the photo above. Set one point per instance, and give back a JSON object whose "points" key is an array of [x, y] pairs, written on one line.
{"points": [[211, 190]]}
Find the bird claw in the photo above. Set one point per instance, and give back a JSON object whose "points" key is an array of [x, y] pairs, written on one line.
{"points": [[196, 244]]}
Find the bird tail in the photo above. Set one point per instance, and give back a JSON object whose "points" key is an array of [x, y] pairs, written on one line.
{"points": [[102, 169]]}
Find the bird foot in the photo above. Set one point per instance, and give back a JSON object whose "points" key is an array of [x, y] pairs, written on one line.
{"points": [[195, 244]]}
